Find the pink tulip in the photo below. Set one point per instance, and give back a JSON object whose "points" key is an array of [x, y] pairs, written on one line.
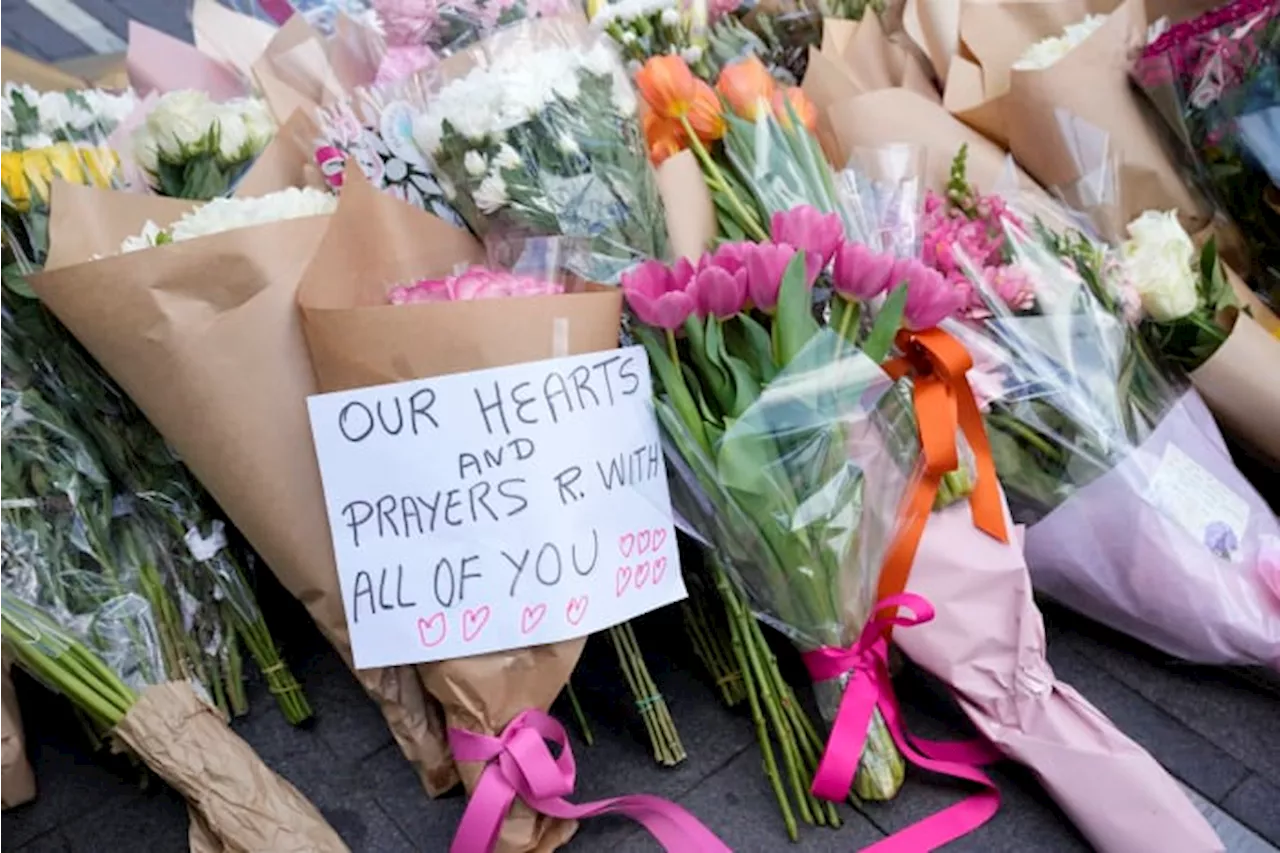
{"points": [[818, 234], [730, 257], [716, 291], [765, 267], [930, 299], [860, 273], [657, 295]]}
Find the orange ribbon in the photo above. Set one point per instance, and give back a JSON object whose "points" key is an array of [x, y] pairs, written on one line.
{"points": [[944, 404]]}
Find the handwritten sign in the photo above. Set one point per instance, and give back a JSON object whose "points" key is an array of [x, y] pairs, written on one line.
{"points": [[497, 509]]}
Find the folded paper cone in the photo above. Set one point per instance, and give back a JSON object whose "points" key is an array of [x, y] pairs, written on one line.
{"points": [[18, 783], [691, 214], [231, 38], [1111, 552], [934, 26], [987, 644], [284, 162], [357, 339], [237, 803], [158, 62], [893, 116], [1239, 384], [293, 72], [205, 336]]}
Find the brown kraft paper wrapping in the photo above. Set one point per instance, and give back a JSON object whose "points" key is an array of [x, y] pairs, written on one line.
{"points": [[1090, 84], [691, 214], [205, 337], [1239, 384], [237, 803], [893, 116], [376, 242], [294, 72], [18, 783], [284, 162]]}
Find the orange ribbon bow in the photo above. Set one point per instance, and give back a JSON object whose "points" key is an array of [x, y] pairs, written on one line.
{"points": [[944, 403]]}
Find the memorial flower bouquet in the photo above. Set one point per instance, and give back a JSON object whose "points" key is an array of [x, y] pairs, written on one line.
{"points": [[374, 128], [108, 668], [534, 132], [775, 408], [1215, 82], [31, 119], [1091, 432], [191, 146]]}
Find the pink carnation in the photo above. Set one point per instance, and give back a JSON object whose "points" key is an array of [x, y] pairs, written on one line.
{"points": [[473, 283]]}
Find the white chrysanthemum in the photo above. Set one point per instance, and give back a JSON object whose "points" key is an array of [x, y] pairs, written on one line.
{"points": [[475, 164], [491, 194], [630, 10], [1048, 51], [147, 239], [510, 91], [7, 123], [227, 214], [35, 140], [670, 17]]}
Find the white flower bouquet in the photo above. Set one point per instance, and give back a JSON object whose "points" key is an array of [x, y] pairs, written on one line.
{"points": [[228, 214], [31, 119], [645, 28], [374, 127], [534, 132], [191, 146]]}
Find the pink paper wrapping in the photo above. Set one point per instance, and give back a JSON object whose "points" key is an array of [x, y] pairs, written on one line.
{"points": [[157, 62], [1111, 554], [987, 644]]}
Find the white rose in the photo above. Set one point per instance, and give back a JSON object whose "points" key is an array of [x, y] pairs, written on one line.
{"points": [[145, 152], [180, 122], [1160, 259], [475, 164], [258, 122], [233, 139]]}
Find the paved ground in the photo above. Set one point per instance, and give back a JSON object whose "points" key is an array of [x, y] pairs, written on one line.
{"points": [[1218, 732]]}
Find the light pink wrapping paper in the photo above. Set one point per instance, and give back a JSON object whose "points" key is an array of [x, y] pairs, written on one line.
{"points": [[157, 62], [987, 644], [1112, 555]]}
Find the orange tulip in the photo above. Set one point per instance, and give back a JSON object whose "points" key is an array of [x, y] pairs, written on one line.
{"points": [[800, 105], [706, 116], [745, 84], [667, 86], [665, 137]]}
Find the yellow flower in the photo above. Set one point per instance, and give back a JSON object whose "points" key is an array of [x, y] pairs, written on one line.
{"points": [[15, 181]]}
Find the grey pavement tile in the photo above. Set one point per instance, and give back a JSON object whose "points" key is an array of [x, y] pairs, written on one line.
{"points": [[160, 817], [738, 805], [1187, 754], [50, 41], [1256, 803], [346, 719], [1236, 715], [388, 777]]}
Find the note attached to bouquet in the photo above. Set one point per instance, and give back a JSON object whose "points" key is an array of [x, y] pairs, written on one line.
{"points": [[497, 509]]}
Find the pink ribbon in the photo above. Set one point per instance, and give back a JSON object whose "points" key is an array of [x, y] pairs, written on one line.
{"points": [[521, 765], [870, 687]]}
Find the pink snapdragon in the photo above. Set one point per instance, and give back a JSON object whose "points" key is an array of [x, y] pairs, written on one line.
{"points": [[958, 239], [473, 283]]}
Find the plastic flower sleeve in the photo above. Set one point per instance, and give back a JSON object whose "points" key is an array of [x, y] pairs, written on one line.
{"points": [[1215, 81], [445, 28], [534, 132], [798, 499], [1091, 433]]}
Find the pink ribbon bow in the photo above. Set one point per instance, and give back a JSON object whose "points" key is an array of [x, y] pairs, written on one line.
{"points": [[521, 764], [867, 661]]}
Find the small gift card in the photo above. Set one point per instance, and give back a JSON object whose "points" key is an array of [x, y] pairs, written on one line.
{"points": [[1199, 503]]}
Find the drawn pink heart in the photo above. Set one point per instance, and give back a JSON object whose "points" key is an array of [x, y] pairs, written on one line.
{"points": [[437, 625], [642, 574], [576, 610], [621, 579], [659, 570], [532, 617], [626, 543], [643, 540], [659, 538], [473, 622]]}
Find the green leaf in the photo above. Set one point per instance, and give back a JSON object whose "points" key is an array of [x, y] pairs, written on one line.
{"points": [[748, 340], [743, 388], [793, 323], [880, 339], [673, 382], [713, 375]]}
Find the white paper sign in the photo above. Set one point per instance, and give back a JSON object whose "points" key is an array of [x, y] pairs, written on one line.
{"points": [[1199, 503], [497, 509]]}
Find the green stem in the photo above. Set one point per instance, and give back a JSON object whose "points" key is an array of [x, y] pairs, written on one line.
{"points": [[718, 183], [578, 714]]}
